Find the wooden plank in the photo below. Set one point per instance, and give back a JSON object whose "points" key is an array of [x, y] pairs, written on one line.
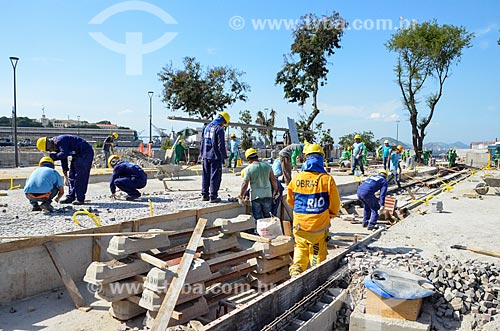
{"points": [[73, 291], [232, 259], [175, 288], [253, 237], [153, 260], [287, 228], [96, 250]]}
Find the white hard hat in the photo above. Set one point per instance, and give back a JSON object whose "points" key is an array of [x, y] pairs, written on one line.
{"points": [[386, 141]]}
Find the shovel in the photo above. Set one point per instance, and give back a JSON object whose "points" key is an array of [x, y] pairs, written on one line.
{"points": [[476, 250]]}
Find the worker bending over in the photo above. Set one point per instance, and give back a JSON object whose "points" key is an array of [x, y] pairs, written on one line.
{"points": [[78, 172], [128, 177], [288, 159], [314, 198], [366, 193], [43, 185]]}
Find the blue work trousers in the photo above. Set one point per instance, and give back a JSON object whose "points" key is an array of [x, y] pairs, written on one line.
{"points": [[211, 178], [78, 176], [371, 206], [386, 162], [358, 162], [130, 184], [261, 208]]}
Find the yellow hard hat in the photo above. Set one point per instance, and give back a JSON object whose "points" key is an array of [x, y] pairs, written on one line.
{"points": [[358, 136], [115, 135], [233, 135], [113, 160], [46, 159], [250, 152], [400, 148], [41, 144], [313, 148], [349, 148], [383, 171], [226, 116]]}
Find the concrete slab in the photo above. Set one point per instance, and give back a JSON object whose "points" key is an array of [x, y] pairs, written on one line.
{"points": [[119, 290], [125, 245], [326, 316], [125, 310], [237, 224], [152, 300], [267, 265], [268, 279], [219, 243], [159, 280], [106, 272], [360, 321], [280, 246], [190, 310]]}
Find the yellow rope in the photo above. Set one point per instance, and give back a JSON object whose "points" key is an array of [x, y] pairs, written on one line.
{"points": [[93, 217]]}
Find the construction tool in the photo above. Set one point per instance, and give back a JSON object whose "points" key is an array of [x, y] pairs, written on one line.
{"points": [[476, 250]]}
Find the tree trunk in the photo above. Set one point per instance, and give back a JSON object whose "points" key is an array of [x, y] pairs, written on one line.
{"points": [[313, 115]]}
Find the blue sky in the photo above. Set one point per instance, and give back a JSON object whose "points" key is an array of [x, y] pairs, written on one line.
{"points": [[65, 70]]}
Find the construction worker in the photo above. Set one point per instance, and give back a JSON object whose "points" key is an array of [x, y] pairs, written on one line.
{"points": [[213, 153], [385, 150], [357, 154], [395, 165], [345, 158], [288, 158], [314, 198], [43, 185], [127, 176], [452, 157], [234, 145], [179, 148], [366, 193], [108, 147], [260, 177], [77, 174]]}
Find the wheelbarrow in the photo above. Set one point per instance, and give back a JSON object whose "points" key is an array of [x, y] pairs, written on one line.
{"points": [[483, 188]]}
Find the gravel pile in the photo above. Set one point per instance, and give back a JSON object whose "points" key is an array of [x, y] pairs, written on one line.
{"points": [[462, 287], [130, 155]]}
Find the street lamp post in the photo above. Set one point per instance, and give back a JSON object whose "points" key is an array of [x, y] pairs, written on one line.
{"points": [[150, 93], [13, 61], [397, 132], [78, 127]]}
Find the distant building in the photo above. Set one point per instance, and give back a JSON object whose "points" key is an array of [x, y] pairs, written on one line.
{"points": [[481, 144], [107, 126]]}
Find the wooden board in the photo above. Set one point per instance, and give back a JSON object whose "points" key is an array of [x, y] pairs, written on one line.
{"points": [[73, 291], [177, 284], [392, 308]]}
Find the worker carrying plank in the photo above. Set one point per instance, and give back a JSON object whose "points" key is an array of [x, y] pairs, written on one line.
{"points": [[314, 198], [77, 174], [43, 185], [371, 205], [128, 177]]}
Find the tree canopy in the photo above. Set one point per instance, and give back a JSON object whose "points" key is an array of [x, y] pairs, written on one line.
{"points": [[21, 122], [367, 138], [306, 67], [426, 54], [246, 136], [201, 92]]}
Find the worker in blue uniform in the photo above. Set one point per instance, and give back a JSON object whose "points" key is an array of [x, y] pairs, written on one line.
{"points": [[213, 153], [366, 193], [126, 176], [77, 174]]}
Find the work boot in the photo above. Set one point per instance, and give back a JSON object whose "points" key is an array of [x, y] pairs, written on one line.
{"points": [[372, 227], [351, 173], [66, 200], [215, 200], [132, 197], [46, 207], [36, 208], [365, 225], [78, 202], [205, 198]]}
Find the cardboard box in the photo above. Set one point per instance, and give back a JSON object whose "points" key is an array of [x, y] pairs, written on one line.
{"points": [[392, 308]]}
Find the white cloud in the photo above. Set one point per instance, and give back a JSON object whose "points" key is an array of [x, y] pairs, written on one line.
{"points": [[385, 111], [485, 30], [376, 116], [212, 51], [125, 111], [46, 59]]}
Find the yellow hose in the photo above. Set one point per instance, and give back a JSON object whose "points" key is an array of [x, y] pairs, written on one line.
{"points": [[93, 217], [150, 208]]}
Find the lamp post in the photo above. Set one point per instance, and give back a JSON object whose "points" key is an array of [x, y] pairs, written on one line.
{"points": [[397, 132], [150, 93], [13, 61], [78, 127]]}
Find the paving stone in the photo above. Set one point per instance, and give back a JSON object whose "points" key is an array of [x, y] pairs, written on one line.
{"points": [[267, 265], [237, 224], [106, 272], [280, 246], [125, 310], [219, 243], [456, 303], [125, 245], [119, 290], [152, 300]]}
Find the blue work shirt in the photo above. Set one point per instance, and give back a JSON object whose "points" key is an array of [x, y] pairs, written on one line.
{"points": [[386, 150], [69, 145], [357, 148], [234, 144], [43, 180], [374, 183], [393, 164], [213, 145], [125, 169]]}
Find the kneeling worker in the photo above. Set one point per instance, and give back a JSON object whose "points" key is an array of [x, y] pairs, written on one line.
{"points": [[314, 198], [366, 193], [43, 185], [128, 177]]}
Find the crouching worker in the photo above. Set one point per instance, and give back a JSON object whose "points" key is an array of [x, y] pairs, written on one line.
{"points": [[314, 198], [43, 185], [366, 193], [128, 177]]}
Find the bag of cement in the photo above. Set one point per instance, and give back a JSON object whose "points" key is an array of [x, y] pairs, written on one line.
{"points": [[269, 228]]}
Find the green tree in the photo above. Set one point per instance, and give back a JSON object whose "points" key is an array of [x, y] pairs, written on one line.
{"points": [[104, 122], [426, 54], [266, 120], [246, 136], [305, 68], [5, 121], [367, 138], [201, 91]]}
